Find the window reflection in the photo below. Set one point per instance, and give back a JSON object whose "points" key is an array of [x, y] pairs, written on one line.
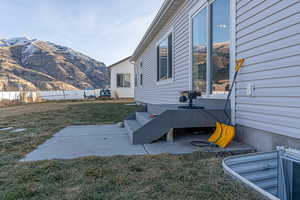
{"points": [[200, 51], [123, 80], [220, 47], [163, 55]]}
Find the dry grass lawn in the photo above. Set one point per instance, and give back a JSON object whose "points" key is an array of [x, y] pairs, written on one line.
{"points": [[194, 176]]}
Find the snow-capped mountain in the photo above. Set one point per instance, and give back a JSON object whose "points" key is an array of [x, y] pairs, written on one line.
{"points": [[44, 65], [15, 41]]}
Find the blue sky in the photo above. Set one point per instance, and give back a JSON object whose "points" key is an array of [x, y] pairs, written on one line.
{"points": [[107, 30]]}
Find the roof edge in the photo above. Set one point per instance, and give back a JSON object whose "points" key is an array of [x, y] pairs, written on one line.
{"points": [[116, 63], [152, 26]]}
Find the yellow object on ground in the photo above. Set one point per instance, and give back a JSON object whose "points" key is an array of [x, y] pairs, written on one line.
{"points": [[228, 134], [225, 133], [217, 133]]}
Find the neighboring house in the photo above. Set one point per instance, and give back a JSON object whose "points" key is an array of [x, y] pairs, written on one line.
{"points": [[122, 79], [193, 45]]}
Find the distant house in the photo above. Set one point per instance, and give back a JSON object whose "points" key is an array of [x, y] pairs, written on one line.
{"points": [[193, 45], [122, 79]]}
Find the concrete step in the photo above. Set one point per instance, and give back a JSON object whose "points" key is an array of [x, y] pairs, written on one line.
{"points": [[143, 117], [131, 126]]}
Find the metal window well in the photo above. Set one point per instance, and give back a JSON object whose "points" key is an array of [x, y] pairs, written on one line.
{"points": [[275, 175]]}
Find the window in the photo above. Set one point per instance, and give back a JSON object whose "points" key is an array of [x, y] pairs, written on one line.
{"points": [[211, 48], [141, 74], [165, 59], [220, 46], [135, 79], [141, 79], [199, 51], [123, 80]]}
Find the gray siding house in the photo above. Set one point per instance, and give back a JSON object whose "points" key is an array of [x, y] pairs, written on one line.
{"points": [[193, 45]]}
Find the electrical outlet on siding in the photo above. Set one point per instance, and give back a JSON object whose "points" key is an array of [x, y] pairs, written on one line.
{"points": [[250, 89]]}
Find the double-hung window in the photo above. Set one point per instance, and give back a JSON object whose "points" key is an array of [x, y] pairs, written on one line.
{"points": [[141, 73], [211, 48], [123, 80], [165, 58], [135, 79]]}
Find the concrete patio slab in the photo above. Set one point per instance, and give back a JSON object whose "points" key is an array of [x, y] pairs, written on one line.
{"points": [[234, 148], [181, 145], [80, 141], [107, 140]]}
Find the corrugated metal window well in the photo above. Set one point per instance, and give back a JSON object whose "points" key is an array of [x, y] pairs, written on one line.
{"points": [[275, 175]]}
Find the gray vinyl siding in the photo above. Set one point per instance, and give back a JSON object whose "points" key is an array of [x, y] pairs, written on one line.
{"points": [[153, 92], [268, 37]]}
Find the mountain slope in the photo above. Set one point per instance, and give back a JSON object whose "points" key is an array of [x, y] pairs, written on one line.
{"points": [[34, 64]]}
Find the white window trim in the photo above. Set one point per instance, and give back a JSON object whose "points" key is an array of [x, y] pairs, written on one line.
{"points": [[165, 36], [197, 9], [164, 82]]}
